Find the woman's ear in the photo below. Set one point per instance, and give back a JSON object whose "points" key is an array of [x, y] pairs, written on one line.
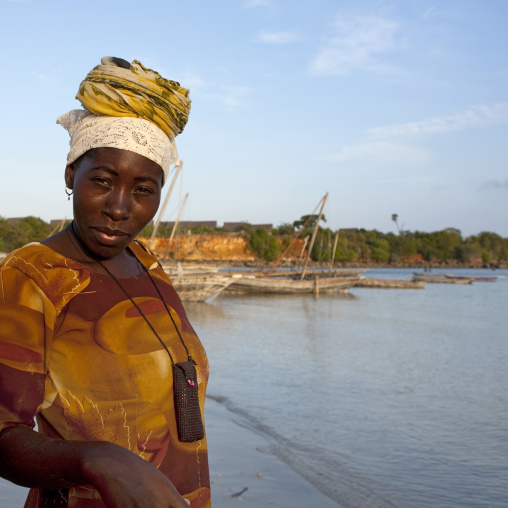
{"points": [[69, 176]]}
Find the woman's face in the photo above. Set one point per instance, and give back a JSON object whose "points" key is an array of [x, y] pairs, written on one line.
{"points": [[116, 194]]}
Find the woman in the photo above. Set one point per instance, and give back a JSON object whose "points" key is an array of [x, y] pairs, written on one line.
{"points": [[94, 340]]}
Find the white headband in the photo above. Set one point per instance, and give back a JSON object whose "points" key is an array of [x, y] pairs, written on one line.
{"points": [[137, 135]]}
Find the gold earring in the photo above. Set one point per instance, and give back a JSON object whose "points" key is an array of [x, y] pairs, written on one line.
{"points": [[69, 194]]}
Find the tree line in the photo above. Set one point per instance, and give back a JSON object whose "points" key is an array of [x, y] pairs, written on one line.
{"points": [[15, 234], [371, 246], [353, 245]]}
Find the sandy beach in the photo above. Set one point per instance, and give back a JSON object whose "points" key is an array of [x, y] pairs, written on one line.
{"points": [[239, 460]]}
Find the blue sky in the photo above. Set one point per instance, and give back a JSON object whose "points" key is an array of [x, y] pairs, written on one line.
{"points": [[390, 107]]}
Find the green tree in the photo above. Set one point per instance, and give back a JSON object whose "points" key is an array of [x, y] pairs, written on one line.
{"points": [[285, 229], [493, 245], [438, 246], [395, 218], [200, 230], [264, 245], [377, 245], [344, 251], [322, 249], [147, 231], [5, 232], [467, 252], [312, 222], [28, 229], [401, 246]]}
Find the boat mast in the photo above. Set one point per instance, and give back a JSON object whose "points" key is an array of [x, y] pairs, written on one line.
{"points": [[58, 227], [334, 250], [294, 240], [175, 226], [313, 239], [154, 232]]}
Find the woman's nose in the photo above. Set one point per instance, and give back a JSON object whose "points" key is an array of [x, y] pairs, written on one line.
{"points": [[118, 205]]}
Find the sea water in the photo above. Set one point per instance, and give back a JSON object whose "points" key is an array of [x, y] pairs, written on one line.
{"points": [[381, 398]]}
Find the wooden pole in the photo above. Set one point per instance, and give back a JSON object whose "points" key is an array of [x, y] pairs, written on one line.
{"points": [[293, 241], [305, 242], [334, 250], [163, 209], [175, 226], [58, 227], [313, 239]]}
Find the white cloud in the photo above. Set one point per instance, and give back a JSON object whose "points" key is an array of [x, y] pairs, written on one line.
{"points": [[232, 97], [192, 81], [429, 12], [277, 37], [434, 12], [378, 152], [476, 116], [356, 44], [388, 144]]}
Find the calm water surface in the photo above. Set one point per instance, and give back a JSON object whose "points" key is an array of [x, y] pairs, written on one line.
{"points": [[382, 397]]}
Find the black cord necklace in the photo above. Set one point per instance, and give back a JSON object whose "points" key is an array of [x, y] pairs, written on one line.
{"points": [[185, 382], [143, 315]]}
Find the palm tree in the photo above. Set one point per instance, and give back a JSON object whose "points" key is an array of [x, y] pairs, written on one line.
{"points": [[394, 219]]}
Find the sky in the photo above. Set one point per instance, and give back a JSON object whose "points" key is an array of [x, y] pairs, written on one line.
{"points": [[392, 107]]}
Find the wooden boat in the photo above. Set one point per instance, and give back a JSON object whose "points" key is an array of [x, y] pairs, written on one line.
{"points": [[286, 285], [479, 278], [199, 288], [483, 278], [442, 278], [187, 269], [312, 273], [365, 282]]}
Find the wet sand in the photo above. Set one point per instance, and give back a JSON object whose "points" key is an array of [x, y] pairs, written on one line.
{"points": [[239, 459]]}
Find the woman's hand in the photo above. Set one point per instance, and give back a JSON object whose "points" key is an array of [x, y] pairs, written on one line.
{"points": [[124, 480]]}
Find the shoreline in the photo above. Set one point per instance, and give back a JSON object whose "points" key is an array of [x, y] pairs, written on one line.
{"points": [[240, 459], [261, 264], [243, 472]]}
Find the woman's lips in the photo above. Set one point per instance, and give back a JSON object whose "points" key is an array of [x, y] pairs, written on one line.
{"points": [[109, 236]]}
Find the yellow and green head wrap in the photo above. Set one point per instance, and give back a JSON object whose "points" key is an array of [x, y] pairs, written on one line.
{"points": [[129, 107], [117, 88]]}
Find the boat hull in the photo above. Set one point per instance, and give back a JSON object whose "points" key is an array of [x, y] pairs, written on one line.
{"points": [[259, 285], [442, 279], [199, 288], [390, 284]]}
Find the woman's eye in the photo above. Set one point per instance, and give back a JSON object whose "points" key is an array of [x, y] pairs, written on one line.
{"points": [[101, 181], [145, 190]]}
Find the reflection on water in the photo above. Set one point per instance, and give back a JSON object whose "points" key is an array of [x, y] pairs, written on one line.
{"points": [[381, 398], [204, 311]]}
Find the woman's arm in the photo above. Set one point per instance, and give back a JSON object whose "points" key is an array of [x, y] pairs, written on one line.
{"points": [[123, 479]]}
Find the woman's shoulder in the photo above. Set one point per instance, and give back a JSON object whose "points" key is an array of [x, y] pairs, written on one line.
{"points": [[147, 258], [33, 256], [144, 255], [53, 273]]}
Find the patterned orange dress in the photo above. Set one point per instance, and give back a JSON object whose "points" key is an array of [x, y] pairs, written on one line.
{"points": [[76, 354]]}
